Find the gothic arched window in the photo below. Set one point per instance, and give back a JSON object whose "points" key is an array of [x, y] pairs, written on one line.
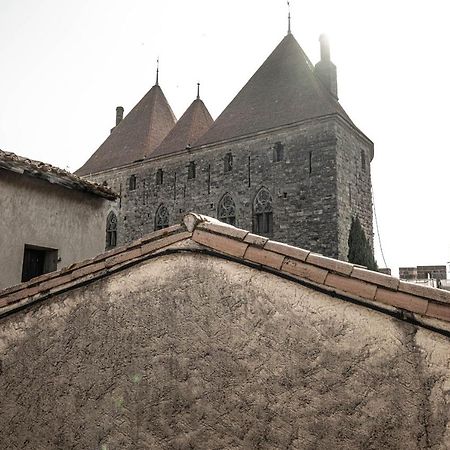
{"points": [[263, 212], [111, 230], [226, 211], [161, 218]]}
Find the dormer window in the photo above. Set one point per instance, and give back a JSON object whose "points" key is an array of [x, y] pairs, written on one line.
{"points": [[191, 170], [228, 163]]}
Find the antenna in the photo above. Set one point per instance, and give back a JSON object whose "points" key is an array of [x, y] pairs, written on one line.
{"points": [[157, 71], [289, 17], [198, 91]]}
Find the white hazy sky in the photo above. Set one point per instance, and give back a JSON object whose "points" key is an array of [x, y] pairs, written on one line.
{"points": [[66, 65]]}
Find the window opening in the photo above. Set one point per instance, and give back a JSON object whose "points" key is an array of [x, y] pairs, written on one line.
{"points": [[161, 218], [159, 177], [226, 211], [228, 163], [37, 261], [263, 212], [278, 152], [111, 230], [191, 170], [132, 182]]}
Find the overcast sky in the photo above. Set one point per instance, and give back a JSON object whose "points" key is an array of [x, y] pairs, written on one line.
{"points": [[66, 65]]}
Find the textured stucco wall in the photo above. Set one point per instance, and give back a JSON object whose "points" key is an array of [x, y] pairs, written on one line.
{"points": [[38, 213], [189, 351]]}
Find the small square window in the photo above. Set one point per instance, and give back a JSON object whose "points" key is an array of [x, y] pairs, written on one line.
{"points": [[37, 261]]}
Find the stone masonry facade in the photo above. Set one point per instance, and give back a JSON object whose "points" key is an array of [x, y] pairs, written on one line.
{"points": [[320, 183]]}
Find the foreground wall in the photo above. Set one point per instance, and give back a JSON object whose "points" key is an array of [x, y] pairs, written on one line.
{"points": [[38, 213], [192, 351]]}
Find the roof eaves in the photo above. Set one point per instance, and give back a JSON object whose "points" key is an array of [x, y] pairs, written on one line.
{"points": [[54, 175]]}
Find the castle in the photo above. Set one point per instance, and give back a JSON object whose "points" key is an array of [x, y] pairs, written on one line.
{"points": [[283, 159]]}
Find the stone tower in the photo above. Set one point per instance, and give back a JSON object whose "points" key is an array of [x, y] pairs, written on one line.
{"points": [[283, 159]]}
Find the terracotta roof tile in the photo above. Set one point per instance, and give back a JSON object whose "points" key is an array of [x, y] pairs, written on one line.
{"points": [[377, 278], [192, 124], [220, 243], [283, 91], [351, 285], [136, 136], [329, 263], [254, 239], [305, 271], [401, 300], [47, 172], [287, 250], [325, 273], [264, 257]]}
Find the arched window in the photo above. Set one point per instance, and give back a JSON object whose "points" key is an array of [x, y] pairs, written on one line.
{"points": [[161, 218], [111, 230], [226, 211], [263, 212]]}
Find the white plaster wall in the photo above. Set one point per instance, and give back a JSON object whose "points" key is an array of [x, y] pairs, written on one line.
{"points": [[35, 212]]}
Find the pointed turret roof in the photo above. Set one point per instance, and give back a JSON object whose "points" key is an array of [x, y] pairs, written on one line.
{"points": [[192, 124], [136, 136], [283, 90]]}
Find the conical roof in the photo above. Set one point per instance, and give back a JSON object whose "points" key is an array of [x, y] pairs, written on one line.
{"points": [[193, 123], [136, 136], [283, 90]]}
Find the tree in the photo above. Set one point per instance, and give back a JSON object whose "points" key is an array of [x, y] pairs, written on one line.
{"points": [[359, 250]]}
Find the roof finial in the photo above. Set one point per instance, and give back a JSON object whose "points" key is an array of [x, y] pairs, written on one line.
{"points": [[198, 91], [289, 17], [157, 72]]}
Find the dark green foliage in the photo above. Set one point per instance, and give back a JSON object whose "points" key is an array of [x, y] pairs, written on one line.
{"points": [[359, 251]]}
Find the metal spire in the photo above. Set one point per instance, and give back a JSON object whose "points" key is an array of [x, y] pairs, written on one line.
{"points": [[198, 91], [157, 72], [289, 17]]}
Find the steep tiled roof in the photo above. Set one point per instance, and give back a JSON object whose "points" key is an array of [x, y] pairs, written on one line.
{"points": [[192, 124], [284, 90], [24, 166], [136, 136], [427, 306]]}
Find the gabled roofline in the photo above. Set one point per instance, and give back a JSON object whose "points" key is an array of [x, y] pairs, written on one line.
{"points": [[54, 175], [422, 305]]}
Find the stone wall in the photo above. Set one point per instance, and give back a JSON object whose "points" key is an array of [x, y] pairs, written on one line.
{"points": [[38, 213], [354, 186], [304, 185], [192, 351]]}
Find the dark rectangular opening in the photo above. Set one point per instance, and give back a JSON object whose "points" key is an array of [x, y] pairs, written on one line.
{"points": [[37, 261]]}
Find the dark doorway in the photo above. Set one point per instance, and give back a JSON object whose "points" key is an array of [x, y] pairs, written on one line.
{"points": [[37, 261]]}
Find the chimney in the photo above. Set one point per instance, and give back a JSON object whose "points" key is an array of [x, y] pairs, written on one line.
{"points": [[325, 69], [119, 115]]}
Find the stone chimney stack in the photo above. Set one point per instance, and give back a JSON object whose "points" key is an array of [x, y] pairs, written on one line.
{"points": [[119, 115], [325, 69]]}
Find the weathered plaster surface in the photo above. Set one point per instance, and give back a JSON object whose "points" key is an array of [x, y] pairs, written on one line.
{"points": [[189, 351], [38, 213]]}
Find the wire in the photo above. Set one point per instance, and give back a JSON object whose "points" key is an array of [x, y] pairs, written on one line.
{"points": [[378, 230]]}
